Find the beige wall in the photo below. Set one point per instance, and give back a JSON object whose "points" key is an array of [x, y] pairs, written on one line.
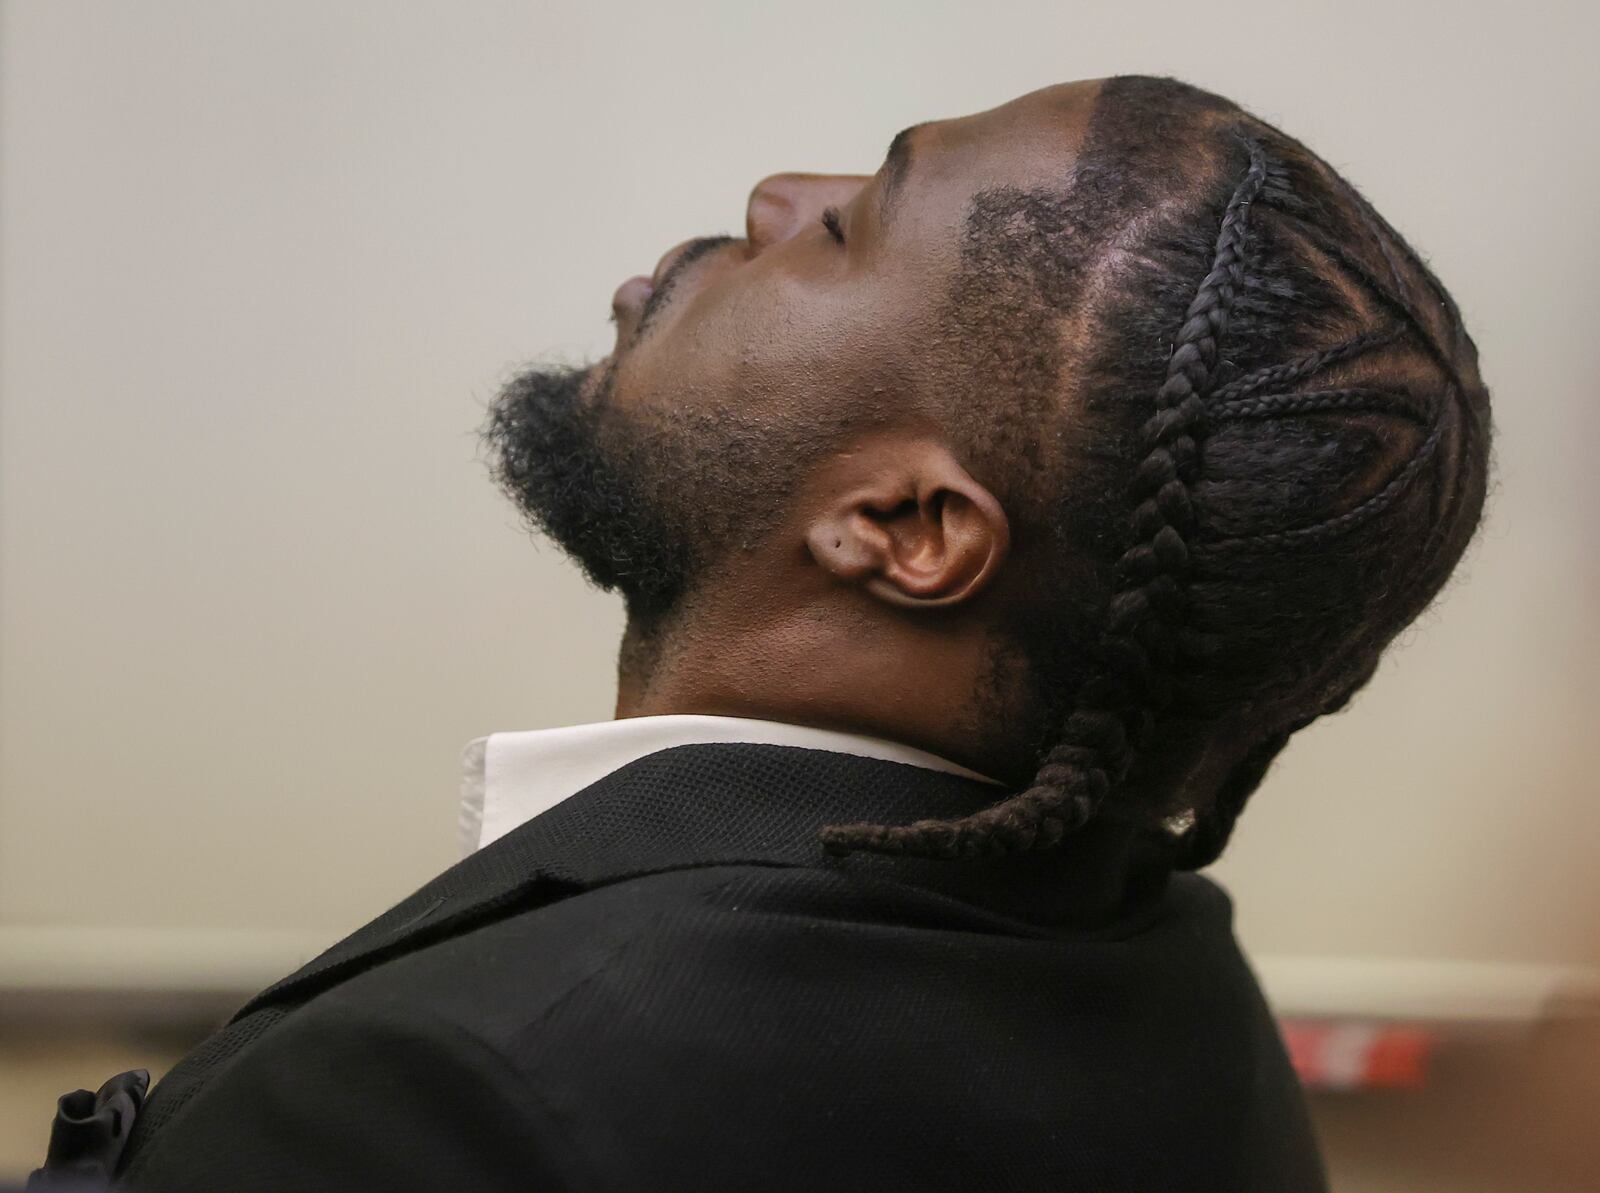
{"points": [[261, 264]]}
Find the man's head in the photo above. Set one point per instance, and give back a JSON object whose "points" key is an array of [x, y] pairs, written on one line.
{"points": [[1102, 439]]}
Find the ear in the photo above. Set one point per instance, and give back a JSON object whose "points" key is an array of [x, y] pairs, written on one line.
{"points": [[908, 523]]}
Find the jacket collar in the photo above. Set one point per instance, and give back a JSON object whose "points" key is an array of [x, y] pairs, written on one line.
{"points": [[509, 778], [703, 805]]}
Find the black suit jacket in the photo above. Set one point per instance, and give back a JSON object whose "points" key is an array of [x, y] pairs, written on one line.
{"points": [[663, 983]]}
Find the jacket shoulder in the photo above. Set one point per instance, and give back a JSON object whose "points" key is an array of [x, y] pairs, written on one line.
{"points": [[365, 1100]]}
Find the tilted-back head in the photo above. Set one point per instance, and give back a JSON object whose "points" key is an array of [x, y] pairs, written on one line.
{"points": [[1277, 450]]}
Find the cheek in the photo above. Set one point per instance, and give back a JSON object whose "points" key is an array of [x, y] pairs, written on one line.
{"points": [[847, 344], [778, 342]]}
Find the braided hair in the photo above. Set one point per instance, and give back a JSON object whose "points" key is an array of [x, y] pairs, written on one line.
{"points": [[1302, 462]]}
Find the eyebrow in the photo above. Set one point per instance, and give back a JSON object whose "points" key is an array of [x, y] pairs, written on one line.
{"points": [[896, 165]]}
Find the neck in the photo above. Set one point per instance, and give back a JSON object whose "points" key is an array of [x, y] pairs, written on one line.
{"points": [[828, 673]]}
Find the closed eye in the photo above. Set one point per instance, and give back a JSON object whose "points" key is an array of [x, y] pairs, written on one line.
{"points": [[830, 221]]}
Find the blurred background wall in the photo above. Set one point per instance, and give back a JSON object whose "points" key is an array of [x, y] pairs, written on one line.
{"points": [[262, 264]]}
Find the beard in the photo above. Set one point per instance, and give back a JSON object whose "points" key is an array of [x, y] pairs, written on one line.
{"points": [[646, 498], [548, 456]]}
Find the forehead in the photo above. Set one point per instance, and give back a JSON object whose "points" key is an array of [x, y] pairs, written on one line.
{"points": [[1031, 141]]}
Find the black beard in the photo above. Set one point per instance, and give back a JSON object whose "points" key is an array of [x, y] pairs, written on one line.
{"points": [[574, 481], [648, 497]]}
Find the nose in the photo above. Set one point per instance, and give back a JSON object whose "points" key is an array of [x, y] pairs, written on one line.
{"points": [[784, 204]]}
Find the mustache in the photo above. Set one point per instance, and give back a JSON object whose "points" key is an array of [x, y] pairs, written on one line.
{"points": [[658, 297]]}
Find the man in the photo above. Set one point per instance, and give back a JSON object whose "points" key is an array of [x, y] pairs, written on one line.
{"points": [[986, 527]]}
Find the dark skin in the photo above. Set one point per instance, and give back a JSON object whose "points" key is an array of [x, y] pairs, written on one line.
{"points": [[870, 608]]}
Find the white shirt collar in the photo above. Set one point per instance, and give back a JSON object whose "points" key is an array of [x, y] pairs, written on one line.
{"points": [[509, 778]]}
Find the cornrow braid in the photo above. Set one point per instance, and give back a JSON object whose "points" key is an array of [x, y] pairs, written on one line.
{"points": [[1142, 632], [1329, 527], [1278, 376], [1361, 398]]}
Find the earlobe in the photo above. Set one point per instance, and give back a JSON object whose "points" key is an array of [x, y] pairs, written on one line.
{"points": [[917, 531]]}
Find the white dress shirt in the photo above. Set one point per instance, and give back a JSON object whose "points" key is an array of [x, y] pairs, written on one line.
{"points": [[509, 778]]}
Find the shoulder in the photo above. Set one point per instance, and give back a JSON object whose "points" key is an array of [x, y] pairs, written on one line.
{"points": [[417, 1058], [638, 966], [362, 1097], [505, 977], [738, 927]]}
